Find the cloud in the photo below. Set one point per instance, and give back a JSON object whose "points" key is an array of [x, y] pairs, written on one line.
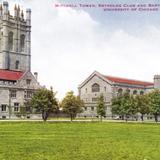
{"points": [[68, 45]]}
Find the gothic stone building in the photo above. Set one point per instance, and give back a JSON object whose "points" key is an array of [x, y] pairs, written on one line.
{"points": [[17, 83], [110, 87]]}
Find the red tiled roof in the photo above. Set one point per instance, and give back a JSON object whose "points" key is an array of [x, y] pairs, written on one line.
{"points": [[128, 81], [10, 75]]}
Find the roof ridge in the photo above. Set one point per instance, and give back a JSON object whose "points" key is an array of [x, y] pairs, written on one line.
{"points": [[127, 78]]}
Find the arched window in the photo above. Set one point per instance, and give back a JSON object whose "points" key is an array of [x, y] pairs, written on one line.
{"points": [[95, 87], [10, 41], [128, 91], [141, 92], [22, 43], [135, 92], [120, 90], [17, 65]]}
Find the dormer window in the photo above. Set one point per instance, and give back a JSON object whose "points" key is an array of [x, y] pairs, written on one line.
{"points": [[95, 87]]}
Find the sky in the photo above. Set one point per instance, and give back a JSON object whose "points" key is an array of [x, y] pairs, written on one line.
{"points": [[69, 44]]}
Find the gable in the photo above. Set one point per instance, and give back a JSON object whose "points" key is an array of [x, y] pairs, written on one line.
{"points": [[29, 81], [90, 87], [95, 74]]}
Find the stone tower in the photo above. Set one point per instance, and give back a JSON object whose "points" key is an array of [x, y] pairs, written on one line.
{"points": [[15, 39]]}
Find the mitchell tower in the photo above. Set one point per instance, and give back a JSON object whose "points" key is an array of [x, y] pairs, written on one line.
{"points": [[15, 39]]}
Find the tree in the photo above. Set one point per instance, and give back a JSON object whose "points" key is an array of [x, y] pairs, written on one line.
{"points": [[44, 101], [72, 104], [117, 107], [124, 105], [128, 105], [101, 106], [143, 105], [155, 103]]}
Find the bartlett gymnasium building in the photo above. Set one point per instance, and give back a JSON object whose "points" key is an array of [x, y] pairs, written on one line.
{"points": [[97, 84]]}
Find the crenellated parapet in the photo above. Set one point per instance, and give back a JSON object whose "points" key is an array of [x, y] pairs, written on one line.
{"points": [[18, 12]]}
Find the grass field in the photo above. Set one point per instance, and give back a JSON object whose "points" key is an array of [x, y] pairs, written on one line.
{"points": [[79, 141]]}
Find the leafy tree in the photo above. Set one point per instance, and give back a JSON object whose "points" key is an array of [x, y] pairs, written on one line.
{"points": [[44, 101], [124, 105], [143, 105], [128, 105], [101, 106], [117, 107], [155, 103], [72, 104]]}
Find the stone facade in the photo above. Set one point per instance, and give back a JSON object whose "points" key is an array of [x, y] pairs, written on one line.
{"points": [[16, 94], [17, 83], [15, 39], [110, 87]]}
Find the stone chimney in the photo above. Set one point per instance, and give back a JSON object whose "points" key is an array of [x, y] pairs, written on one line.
{"points": [[157, 81], [36, 75]]}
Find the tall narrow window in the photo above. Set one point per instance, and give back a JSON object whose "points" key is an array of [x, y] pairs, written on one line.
{"points": [[95, 87], [141, 93], [128, 91], [10, 41], [22, 43], [120, 91], [16, 107], [17, 65], [3, 108], [135, 92], [13, 93], [28, 94]]}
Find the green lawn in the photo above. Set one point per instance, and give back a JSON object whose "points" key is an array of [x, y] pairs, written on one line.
{"points": [[79, 141]]}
